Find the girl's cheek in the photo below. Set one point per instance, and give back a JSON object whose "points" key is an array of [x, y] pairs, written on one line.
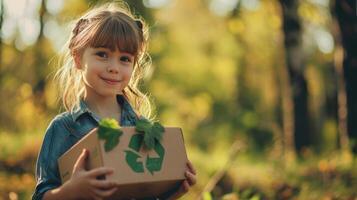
{"points": [[128, 73], [97, 69]]}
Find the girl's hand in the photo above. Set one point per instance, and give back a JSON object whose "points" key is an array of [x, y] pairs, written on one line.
{"points": [[85, 185], [189, 182]]}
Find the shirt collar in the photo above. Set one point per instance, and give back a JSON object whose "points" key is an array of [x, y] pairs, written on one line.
{"points": [[127, 113], [83, 108]]}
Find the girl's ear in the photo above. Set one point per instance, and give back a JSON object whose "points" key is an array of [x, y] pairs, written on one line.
{"points": [[77, 60]]}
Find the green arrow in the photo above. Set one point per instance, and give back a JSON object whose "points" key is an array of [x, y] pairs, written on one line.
{"points": [[136, 142], [155, 164], [131, 159]]}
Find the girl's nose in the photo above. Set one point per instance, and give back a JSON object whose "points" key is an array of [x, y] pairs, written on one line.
{"points": [[113, 68]]}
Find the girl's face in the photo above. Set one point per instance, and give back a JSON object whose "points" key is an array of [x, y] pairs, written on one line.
{"points": [[106, 72]]}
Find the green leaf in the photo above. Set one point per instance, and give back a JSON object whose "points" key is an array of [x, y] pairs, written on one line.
{"points": [[149, 139], [109, 130], [152, 131], [106, 126], [104, 132], [109, 122], [143, 125], [158, 130], [112, 142]]}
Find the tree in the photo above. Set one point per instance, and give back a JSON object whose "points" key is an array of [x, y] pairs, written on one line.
{"points": [[294, 58], [41, 60], [1, 22], [345, 11]]}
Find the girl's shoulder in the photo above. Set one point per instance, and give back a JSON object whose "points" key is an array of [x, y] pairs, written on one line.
{"points": [[69, 124], [61, 119], [56, 139], [60, 123]]}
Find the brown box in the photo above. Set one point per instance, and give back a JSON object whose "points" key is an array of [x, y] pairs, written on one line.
{"points": [[135, 175]]}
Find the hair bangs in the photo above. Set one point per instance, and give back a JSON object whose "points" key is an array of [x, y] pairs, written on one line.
{"points": [[115, 33]]}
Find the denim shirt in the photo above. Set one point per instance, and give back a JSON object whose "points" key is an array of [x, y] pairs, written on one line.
{"points": [[63, 132]]}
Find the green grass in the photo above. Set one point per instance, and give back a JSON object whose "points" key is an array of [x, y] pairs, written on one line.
{"points": [[251, 176]]}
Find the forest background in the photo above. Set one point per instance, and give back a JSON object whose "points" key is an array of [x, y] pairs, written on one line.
{"points": [[265, 91]]}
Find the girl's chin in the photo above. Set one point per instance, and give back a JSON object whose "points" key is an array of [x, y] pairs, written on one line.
{"points": [[109, 93], [104, 91]]}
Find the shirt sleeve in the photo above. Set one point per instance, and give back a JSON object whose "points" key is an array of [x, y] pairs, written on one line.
{"points": [[47, 173]]}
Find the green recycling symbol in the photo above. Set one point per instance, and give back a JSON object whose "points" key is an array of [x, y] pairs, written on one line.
{"points": [[152, 164]]}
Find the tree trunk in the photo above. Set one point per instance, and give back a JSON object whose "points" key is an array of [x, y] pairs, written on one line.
{"points": [[1, 22], [345, 11], [287, 115], [341, 85], [295, 65], [40, 65]]}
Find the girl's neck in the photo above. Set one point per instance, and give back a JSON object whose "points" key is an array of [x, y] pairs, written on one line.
{"points": [[104, 107]]}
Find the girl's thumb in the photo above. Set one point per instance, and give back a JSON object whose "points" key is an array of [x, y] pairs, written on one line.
{"points": [[80, 163]]}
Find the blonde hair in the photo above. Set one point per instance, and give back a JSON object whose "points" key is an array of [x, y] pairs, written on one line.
{"points": [[111, 26]]}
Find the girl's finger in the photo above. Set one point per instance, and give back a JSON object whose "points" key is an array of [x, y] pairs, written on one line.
{"points": [[100, 171], [105, 193], [191, 168], [191, 178], [181, 191], [185, 187], [103, 184], [80, 162]]}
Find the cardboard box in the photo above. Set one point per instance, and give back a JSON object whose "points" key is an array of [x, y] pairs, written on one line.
{"points": [[138, 172]]}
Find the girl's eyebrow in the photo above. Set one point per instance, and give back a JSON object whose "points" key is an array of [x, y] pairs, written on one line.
{"points": [[102, 47], [126, 54], [108, 49]]}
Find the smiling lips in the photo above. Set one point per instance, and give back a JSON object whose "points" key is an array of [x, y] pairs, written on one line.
{"points": [[110, 81]]}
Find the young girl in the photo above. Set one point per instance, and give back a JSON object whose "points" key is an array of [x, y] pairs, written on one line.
{"points": [[98, 79]]}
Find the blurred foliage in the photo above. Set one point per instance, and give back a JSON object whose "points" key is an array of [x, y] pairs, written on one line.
{"points": [[215, 73]]}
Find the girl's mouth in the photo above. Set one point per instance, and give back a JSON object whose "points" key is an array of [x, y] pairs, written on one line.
{"points": [[110, 81]]}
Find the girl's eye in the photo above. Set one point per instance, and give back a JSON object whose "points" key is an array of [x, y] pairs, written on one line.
{"points": [[125, 59], [102, 54]]}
